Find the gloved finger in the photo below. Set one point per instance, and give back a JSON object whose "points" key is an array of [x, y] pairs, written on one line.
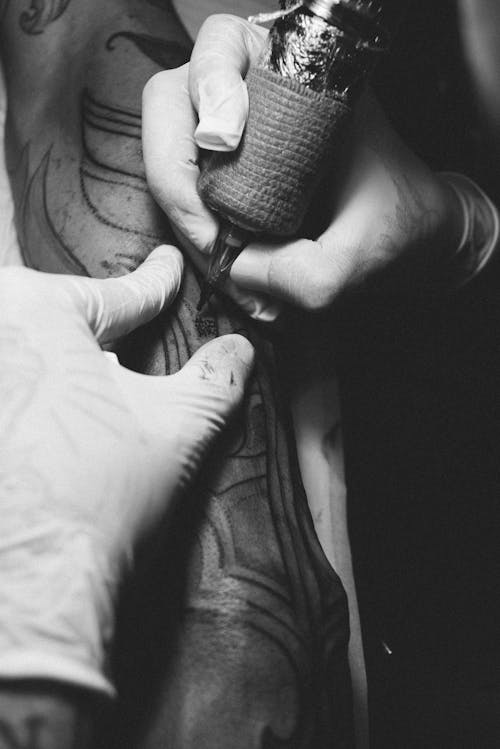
{"points": [[171, 157], [224, 49], [115, 306], [208, 389], [303, 272], [187, 410], [215, 377], [181, 415]]}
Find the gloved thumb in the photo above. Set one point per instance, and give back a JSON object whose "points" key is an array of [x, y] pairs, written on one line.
{"points": [[115, 306], [216, 375], [179, 418], [206, 391]]}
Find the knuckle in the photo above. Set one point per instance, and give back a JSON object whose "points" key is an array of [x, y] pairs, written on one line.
{"points": [[318, 296], [327, 273], [317, 292], [91, 301], [302, 275], [161, 187]]}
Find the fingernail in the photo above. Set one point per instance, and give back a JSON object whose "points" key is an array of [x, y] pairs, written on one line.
{"points": [[222, 118]]}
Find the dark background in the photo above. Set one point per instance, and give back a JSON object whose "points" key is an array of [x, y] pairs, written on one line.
{"points": [[420, 382]]}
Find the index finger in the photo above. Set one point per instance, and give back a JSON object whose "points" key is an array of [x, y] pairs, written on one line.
{"points": [[171, 157], [224, 50]]}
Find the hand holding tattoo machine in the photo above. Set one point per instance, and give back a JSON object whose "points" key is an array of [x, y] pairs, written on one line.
{"points": [[301, 93]]}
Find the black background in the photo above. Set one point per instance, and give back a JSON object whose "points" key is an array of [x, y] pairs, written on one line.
{"points": [[420, 384]]}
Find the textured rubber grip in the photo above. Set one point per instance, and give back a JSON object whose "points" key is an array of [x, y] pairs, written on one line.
{"points": [[267, 184]]}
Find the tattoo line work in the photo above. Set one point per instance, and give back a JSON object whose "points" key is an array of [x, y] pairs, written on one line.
{"points": [[259, 587]]}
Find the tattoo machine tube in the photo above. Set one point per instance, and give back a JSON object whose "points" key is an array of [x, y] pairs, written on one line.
{"points": [[301, 92]]}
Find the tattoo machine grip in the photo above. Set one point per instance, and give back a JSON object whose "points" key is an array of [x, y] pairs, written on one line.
{"points": [[267, 184]]}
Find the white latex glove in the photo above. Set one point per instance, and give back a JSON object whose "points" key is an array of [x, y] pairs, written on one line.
{"points": [[92, 456]]}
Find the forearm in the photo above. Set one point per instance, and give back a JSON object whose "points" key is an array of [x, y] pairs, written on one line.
{"points": [[45, 118], [261, 653], [76, 172]]}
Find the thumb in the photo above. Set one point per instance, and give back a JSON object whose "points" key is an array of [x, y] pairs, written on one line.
{"points": [[179, 416], [207, 391], [222, 54], [216, 375], [115, 306]]}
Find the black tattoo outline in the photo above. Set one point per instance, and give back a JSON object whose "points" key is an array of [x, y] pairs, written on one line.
{"points": [[32, 195]]}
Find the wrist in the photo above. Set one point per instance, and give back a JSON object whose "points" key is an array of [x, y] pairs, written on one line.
{"points": [[56, 607]]}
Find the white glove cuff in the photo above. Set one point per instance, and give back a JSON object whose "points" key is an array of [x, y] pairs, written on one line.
{"points": [[56, 607], [480, 237]]}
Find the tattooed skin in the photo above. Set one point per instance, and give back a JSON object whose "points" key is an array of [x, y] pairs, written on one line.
{"points": [[40, 14], [246, 644]]}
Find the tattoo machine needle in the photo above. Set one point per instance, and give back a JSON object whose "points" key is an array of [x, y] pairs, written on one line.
{"points": [[301, 92]]}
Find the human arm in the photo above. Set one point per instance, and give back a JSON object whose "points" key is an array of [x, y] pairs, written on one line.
{"points": [[257, 588]]}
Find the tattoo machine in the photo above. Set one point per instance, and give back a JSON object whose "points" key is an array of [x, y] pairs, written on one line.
{"points": [[301, 92]]}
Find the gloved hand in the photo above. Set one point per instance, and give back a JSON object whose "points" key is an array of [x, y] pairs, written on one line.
{"points": [[92, 455], [386, 205]]}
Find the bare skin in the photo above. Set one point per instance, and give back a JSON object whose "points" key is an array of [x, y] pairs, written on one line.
{"points": [[249, 648]]}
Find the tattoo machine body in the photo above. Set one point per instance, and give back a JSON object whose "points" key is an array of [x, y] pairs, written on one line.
{"points": [[301, 92]]}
